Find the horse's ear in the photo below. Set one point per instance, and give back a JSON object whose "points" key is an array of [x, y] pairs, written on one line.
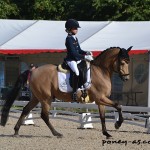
{"points": [[129, 48]]}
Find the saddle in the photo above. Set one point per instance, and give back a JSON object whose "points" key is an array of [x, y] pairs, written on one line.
{"points": [[82, 66]]}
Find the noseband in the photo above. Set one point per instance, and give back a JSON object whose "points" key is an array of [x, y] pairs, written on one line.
{"points": [[119, 71]]}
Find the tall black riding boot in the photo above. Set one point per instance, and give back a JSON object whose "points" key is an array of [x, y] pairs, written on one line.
{"points": [[75, 87]]}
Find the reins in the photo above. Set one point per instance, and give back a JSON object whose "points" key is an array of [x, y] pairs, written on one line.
{"points": [[122, 55]]}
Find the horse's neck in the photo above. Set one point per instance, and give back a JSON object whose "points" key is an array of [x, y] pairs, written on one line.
{"points": [[105, 65], [102, 69], [106, 61]]}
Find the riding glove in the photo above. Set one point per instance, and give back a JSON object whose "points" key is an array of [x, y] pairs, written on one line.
{"points": [[88, 57]]}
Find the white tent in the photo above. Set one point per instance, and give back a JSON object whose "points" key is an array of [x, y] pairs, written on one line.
{"points": [[123, 34], [40, 36], [36, 36], [26, 36]]}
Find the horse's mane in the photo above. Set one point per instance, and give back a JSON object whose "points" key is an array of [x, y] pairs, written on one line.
{"points": [[97, 58], [108, 50]]}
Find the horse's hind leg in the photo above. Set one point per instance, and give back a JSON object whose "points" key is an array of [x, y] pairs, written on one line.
{"points": [[45, 117], [102, 117], [26, 110]]}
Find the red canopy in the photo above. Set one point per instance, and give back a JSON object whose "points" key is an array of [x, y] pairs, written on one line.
{"points": [[37, 51]]}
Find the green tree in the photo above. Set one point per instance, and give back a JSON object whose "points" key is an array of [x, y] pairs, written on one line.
{"points": [[49, 9], [79, 9], [25, 8], [40, 9], [123, 10], [99, 10], [8, 9]]}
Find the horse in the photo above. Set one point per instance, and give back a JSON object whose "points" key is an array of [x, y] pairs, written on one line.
{"points": [[44, 87]]}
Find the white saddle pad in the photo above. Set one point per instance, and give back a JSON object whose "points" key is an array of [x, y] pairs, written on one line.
{"points": [[64, 85]]}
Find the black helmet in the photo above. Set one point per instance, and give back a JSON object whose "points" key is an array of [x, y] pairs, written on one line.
{"points": [[71, 23]]}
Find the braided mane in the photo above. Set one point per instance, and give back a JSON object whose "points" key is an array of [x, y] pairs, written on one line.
{"points": [[96, 60]]}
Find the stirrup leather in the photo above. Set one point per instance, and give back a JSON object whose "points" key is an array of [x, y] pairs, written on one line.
{"points": [[74, 96]]}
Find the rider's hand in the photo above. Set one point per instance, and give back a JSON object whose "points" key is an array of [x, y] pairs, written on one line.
{"points": [[88, 57]]}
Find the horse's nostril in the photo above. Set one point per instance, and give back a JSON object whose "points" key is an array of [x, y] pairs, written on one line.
{"points": [[126, 79]]}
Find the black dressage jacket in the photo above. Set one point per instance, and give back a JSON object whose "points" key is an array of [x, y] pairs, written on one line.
{"points": [[74, 52]]}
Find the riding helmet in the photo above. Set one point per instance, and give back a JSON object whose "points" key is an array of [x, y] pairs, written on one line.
{"points": [[71, 23]]}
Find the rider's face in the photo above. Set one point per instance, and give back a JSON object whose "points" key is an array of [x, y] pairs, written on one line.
{"points": [[74, 31]]}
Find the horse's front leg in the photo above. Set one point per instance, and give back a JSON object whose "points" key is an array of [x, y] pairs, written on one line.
{"points": [[106, 101], [102, 117], [120, 121]]}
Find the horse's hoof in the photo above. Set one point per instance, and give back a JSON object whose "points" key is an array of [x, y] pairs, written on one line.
{"points": [[117, 126], [60, 136], [16, 135], [109, 137]]}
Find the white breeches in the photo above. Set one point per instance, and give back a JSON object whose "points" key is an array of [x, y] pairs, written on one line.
{"points": [[73, 66]]}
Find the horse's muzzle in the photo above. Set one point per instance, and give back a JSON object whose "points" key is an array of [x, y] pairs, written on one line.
{"points": [[125, 77]]}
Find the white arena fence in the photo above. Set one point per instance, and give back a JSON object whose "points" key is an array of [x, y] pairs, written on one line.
{"points": [[134, 115]]}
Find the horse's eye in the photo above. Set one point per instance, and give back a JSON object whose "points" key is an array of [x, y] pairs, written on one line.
{"points": [[127, 62]]}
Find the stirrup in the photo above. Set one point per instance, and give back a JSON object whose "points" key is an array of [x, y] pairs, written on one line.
{"points": [[74, 96]]}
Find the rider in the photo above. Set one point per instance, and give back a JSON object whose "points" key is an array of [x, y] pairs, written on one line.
{"points": [[74, 53]]}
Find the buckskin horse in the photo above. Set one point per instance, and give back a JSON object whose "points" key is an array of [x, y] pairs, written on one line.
{"points": [[44, 87]]}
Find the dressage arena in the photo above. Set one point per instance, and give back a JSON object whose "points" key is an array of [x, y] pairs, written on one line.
{"points": [[39, 137]]}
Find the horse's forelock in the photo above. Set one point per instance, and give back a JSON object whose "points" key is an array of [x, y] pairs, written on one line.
{"points": [[123, 54]]}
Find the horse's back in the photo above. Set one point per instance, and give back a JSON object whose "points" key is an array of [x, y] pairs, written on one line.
{"points": [[45, 70]]}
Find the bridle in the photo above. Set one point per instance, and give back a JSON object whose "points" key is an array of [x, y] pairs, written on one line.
{"points": [[123, 55], [119, 71]]}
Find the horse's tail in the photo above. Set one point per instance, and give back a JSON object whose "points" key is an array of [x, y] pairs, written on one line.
{"points": [[21, 80]]}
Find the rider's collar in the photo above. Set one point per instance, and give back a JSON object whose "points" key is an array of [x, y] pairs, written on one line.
{"points": [[72, 35]]}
